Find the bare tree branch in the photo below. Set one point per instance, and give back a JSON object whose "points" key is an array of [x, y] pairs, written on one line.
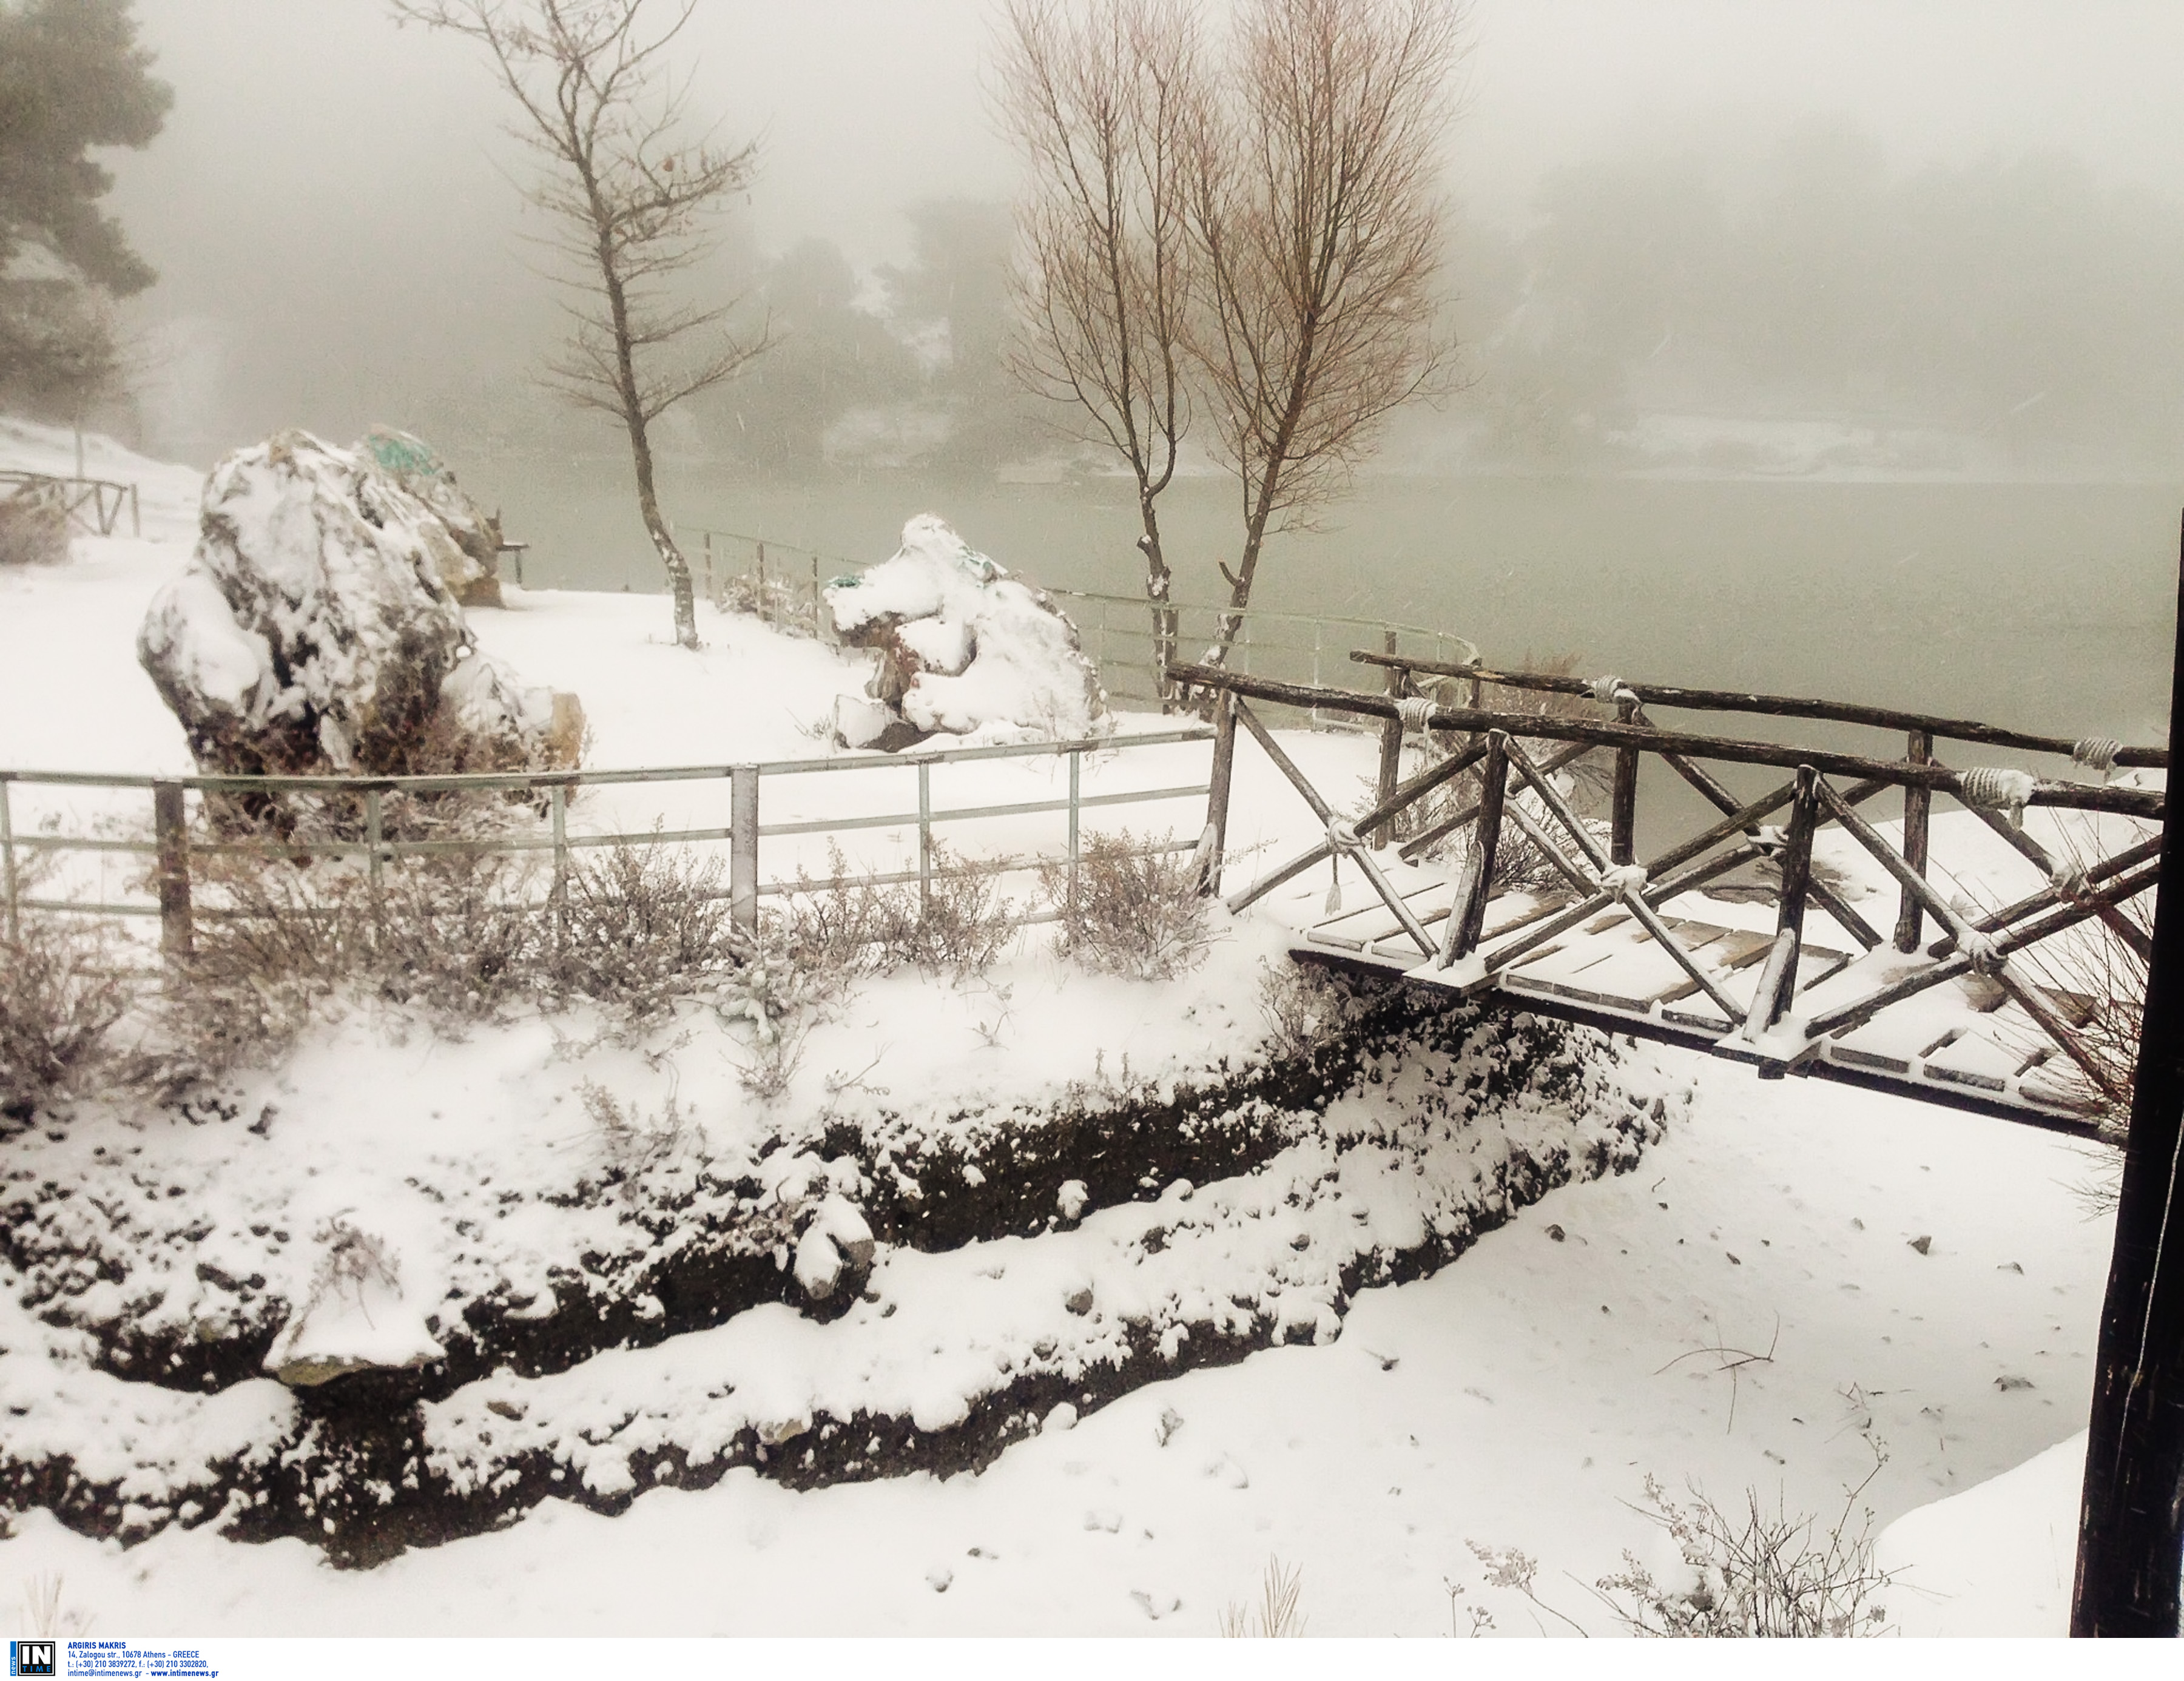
{"points": [[634, 203]]}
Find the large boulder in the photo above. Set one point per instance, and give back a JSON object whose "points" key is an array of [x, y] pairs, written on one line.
{"points": [[963, 649], [314, 631], [413, 463]]}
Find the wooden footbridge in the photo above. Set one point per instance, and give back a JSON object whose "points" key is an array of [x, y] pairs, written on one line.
{"points": [[1982, 1006]]}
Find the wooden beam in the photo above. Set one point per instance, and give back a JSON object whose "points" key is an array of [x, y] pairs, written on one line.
{"points": [[1777, 706], [2133, 802]]}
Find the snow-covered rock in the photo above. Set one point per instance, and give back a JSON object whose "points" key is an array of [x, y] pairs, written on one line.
{"points": [[415, 466], [964, 649], [356, 1319], [313, 631]]}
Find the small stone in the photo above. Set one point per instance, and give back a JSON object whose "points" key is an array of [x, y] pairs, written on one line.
{"points": [[1922, 1243], [939, 1579], [1556, 1234], [1080, 1301], [2007, 1383]]}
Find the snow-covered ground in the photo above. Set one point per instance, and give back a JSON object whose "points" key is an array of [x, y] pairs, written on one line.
{"points": [[1743, 1309]]}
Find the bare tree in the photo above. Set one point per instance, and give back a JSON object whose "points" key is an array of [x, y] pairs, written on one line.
{"points": [[634, 204], [1101, 105], [1317, 216]]}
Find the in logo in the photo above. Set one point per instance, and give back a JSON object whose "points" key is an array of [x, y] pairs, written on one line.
{"points": [[32, 1657]]}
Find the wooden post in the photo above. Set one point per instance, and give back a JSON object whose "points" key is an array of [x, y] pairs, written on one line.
{"points": [[8, 882], [1391, 742], [1216, 791], [169, 829], [924, 838], [1622, 816], [2130, 1531], [1466, 917], [1917, 808], [742, 846], [1778, 981]]}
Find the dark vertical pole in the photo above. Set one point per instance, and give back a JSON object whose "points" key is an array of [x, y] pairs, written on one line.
{"points": [[2131, 1530], [1391, 741], [1467, 914], [1918, 806], [170, 831], [1623, 813]]}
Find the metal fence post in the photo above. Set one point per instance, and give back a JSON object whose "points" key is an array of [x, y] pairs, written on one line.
{"points": [[7, 862], [169, 828], [557, 799], [924, 837], [375, 834], [1075, 762], [742, 846]]}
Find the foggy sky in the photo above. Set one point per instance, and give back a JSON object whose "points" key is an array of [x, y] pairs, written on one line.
{"points": [[334, 189]]}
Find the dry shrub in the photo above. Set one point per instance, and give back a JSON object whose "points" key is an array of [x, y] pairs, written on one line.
{"points": [[463, 936], [781, 602], [1135, 912], [867, 926], [1755, 1574], [1302, 1004], [643, 926], [58, 999], [1280, 1608], [33, 529]]}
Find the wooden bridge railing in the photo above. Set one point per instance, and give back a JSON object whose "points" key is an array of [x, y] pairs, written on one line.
{"points": [[1602, 872]]}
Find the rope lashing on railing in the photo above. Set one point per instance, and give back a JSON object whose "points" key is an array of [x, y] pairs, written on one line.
{"points": [[1980, 947], [1609, 690], [1413, 710], [1341, 838], [1993, 788], [2096, 753], [1623, 880], [2071, 883], [1767, 839]]}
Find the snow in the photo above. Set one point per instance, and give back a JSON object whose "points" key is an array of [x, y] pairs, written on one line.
{"points": [[1517, 1397], [1998, 1559]]}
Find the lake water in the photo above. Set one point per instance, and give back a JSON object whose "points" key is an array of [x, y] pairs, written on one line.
{"points": [[2041, 606]]}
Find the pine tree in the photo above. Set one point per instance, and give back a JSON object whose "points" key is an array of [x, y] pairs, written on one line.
{"points": [[72, 78]]}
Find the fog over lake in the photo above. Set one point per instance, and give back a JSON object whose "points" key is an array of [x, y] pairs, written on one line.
{"points": [[1827, 351]]}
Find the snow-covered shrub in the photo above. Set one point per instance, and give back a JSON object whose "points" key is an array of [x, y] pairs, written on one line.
{"points": [[644, 926], [1303, 1005], [865, 926], [33, 529], [1134, 912], [1753, 1573], [58, 999]]}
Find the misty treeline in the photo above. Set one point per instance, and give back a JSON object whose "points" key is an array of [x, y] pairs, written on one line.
{"points": [[2018, 301], [72, 79]]}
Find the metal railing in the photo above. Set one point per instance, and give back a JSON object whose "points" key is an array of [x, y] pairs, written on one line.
{"points": [[174, 840], [784, 585]]}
